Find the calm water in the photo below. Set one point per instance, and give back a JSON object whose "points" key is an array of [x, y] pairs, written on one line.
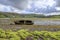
{"points": [[47, 22]]}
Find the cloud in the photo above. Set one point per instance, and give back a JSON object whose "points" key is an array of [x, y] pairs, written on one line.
{"points": [[21, 4], [5, 8], [58, 3], [5, 2], [57, 8]]}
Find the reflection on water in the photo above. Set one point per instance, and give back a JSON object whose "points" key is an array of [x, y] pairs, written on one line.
{"points": [[47, 22]]}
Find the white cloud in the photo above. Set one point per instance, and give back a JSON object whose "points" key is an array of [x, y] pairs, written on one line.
{"points": [[5, 8], [41, 3], [57, 8]]}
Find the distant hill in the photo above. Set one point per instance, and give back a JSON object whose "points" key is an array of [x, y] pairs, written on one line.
{"points": [[8, 15], [16, 15]]}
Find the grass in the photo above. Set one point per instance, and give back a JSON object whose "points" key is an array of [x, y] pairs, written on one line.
{"points": [[35, 18], [12, 19]]}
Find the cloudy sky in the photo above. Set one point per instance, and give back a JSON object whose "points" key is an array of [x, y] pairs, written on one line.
{"points": [[24, 4], [21, 4]]}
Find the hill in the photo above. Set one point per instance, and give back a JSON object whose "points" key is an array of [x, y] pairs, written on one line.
{"points": [[16, 15], [22, 15]]}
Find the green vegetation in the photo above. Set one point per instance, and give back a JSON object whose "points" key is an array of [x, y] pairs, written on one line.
{"points": [[9, 15], [55, 16], [24, 34], [15, 15]]}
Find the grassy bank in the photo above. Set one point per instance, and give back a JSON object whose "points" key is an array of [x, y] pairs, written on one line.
{"points": [[32, 27]]}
